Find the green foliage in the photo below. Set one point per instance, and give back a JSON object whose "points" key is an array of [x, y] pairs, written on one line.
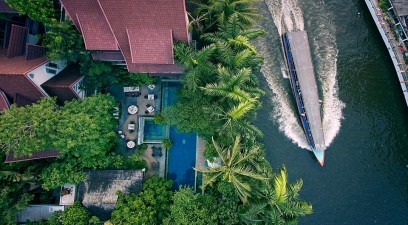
{"points": [[150, 206], [135, 79], [82, 131], [75, 214], [190, 208], [279, 204], [142, 148], [220, 11], [12, 200], [24, 130], [134, 161], [64, 42], [192, 113], [40, 10], [167, 143], [199, 68], [59, 173], [159, 118], [98, 73], [239, 166], [86, 131]]}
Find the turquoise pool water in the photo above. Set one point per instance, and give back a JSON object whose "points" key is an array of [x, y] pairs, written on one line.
{"points": [[182, 154], [153, 132], [182, 158]]}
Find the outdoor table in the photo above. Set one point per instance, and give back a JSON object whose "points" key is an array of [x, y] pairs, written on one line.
{"points": [[151, 86], [150, 97], [132, 109], [150, 109], [130, 144], [131, 89], [131, 126]]}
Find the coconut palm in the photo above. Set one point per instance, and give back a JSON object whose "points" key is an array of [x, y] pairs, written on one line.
{"points": [[280, 203], [220, 10], [197, 64], [234, 59], [236, 119], [237, 86], [233, 33], [237, 167]]}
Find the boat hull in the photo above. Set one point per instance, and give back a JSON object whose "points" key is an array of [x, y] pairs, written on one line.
{"points": [[304, 88]]}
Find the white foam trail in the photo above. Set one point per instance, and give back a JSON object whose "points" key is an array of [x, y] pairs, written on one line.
{"points": [[284, 72], [327, 74], [287, 16], [284, 115]]}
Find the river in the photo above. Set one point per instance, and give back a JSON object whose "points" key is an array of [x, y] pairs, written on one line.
{"points": [[365, 119]]}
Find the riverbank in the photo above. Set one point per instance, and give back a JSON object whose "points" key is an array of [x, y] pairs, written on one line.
{"points": [[392, 45]]}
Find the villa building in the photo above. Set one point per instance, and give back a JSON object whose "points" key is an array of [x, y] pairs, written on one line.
{"points": [[26, 74], [136, 34]]}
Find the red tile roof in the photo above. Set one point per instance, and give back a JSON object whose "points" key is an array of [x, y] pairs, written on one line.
{"points": [[18, 65], [103, 40], [143, 20], [13, 76], [4, 8], [34, 51], [90, 21], [61, 84], [17, 41], [4, 103], [36, 155], [153, 45]]}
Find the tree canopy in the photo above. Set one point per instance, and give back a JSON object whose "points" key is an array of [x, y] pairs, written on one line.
{"points": [[40, 10], [150, 206]]}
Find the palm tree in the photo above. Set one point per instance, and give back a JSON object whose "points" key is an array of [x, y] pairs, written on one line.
{"points": [[228, 56], [236, 120], [233, 33], [280, 203], [197, 64], [237, 86], [238, 166], [220, 10]]}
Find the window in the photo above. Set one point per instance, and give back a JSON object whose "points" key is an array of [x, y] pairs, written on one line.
{"points": [[51, 71]]}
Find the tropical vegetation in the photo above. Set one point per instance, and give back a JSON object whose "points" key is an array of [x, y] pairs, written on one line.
{"points": [[218, 101]]}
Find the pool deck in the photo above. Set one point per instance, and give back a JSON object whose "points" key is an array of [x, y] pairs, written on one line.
{"points": [[125, 118], [150, 160], [200, 159]]}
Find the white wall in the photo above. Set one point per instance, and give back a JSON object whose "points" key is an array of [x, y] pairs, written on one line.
{"points": [[41, 75], [77, 90]]}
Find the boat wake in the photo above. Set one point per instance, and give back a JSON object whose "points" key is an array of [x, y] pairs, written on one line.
{"points": [[287, 16]]}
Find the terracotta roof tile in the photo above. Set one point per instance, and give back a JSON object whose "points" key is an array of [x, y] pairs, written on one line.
{"points": [[17, 41], [34, 51], [148, 46], [97, 36], [4, 103], [13, 76], [141, 15], [60, 85], [90, 21], [36, 155], [154, 68]]}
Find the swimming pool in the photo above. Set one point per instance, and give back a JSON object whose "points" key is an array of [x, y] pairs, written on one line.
{"points": [[182, 158], [170, 93], [150, 132]]}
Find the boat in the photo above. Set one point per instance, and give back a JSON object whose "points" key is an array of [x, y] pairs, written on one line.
{"points": [[304, 86]]}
